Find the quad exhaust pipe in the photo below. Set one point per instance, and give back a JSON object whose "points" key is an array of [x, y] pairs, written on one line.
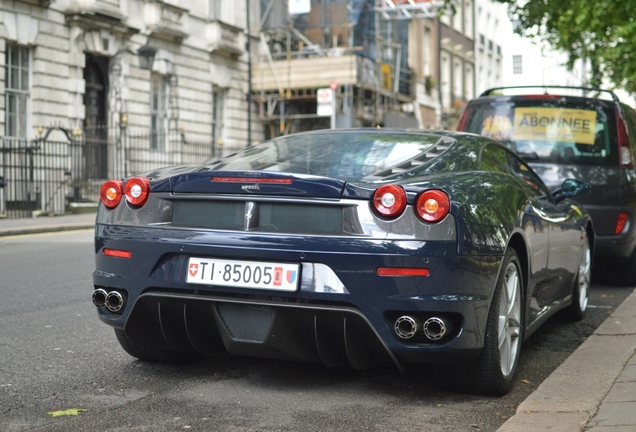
{"points": [[434, 328], [114, 301]]}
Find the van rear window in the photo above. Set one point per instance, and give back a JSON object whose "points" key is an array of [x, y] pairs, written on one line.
{"points": [[548, 130]]}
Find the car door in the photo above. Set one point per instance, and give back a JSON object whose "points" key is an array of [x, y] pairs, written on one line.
{"points": [[563, 234]]}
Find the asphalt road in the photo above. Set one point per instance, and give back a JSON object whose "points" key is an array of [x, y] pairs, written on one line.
{"points": [[55, 355]]}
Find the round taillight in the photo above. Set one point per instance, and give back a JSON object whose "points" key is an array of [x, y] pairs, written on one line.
{"points": [[137, 190], [432, 205], [111, 193], [389, 200]]}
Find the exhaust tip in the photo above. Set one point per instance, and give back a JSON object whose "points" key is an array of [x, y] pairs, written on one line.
{"points": [[435, 328], [99, 297], [405, 327], [114, 301]]}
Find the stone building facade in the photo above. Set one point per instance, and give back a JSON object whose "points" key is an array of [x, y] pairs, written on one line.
{"points": [[77, 64]]}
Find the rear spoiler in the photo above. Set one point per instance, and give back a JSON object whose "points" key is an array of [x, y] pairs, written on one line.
{"points": [[545, 88]]}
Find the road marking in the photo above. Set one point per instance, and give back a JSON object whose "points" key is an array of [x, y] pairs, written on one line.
{"points": [[600, 306]]}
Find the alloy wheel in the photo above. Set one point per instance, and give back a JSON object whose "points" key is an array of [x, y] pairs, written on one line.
{"points": [[509, 325], [585, 270]]}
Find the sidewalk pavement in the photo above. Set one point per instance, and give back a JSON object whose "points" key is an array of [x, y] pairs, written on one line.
{"points": [[42, 224], [593, 390]]}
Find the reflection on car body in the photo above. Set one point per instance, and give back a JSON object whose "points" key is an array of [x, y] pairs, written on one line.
{"points": [[422, 248]]}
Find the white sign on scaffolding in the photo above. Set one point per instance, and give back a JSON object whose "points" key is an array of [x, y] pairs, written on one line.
{"points": [[324, 98], [297, 7]]}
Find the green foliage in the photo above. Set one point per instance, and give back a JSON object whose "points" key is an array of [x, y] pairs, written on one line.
{"points": [[602, 31]]}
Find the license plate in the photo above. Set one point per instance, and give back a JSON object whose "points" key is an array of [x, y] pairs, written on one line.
{"points": [[243, 274]]}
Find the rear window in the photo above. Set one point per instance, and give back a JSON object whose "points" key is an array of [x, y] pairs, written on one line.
{"points": [[348, 155], [555, 130]]}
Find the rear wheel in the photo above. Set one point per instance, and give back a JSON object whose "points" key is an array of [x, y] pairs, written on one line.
{"points": [[493, 371], [581, 290], [148, 353]]}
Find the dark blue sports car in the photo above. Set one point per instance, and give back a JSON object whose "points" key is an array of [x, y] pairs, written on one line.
{"points": [[344, 247]]}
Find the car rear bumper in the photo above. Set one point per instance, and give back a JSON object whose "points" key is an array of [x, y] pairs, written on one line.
{"points": [[354, 324]]}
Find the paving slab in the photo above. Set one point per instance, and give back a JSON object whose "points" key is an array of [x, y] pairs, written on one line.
{"points": [[535, 422], [616, 414]]}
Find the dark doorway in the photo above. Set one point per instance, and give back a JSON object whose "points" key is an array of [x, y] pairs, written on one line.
{"points": [[96, 120]]}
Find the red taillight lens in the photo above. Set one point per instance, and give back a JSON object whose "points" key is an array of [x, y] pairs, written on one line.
{"points": [[389, 200], [111, 193], [621, 222], [137, 190], [402, 271], [432, 205], [117, 253], [624, 148], [541, 96]]}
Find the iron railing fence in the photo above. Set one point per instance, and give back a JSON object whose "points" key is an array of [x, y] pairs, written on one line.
{"points": [[46, 175], [33, 176]]}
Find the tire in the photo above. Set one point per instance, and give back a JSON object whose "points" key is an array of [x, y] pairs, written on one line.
{"points": [[148, 353], [492, 373], [581, 288]]}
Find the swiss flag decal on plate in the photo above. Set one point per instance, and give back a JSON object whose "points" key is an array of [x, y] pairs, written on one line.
{"points": [[194, 269]]}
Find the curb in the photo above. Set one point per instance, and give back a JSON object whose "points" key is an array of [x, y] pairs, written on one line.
{"points": [[572, 396], [44, 229]]}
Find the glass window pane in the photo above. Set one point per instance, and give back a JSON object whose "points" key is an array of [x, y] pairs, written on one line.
{"points": [[24, 57], [11, 118], [13, 78], [12, 54], [24, 82], [20, 115]]}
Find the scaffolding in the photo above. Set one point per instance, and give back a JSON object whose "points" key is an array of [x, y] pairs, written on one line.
{"points": [[356, 47]]}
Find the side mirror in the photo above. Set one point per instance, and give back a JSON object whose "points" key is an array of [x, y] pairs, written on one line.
{"points": [[571, 188]]}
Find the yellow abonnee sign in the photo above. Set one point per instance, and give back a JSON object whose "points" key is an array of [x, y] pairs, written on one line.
{"points": [[555, 124]]}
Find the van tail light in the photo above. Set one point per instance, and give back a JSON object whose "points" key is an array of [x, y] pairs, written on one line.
{"points": [[624, 147], [389, 200], [137, 190], [432, 205], [110, 194], [622, 223], [461, 126]]}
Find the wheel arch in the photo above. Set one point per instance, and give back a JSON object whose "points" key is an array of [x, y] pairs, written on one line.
{"points": [[518, 243], [591, 235]]}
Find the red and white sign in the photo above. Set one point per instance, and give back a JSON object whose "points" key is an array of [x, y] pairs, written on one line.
{"points": [[324, 97]]}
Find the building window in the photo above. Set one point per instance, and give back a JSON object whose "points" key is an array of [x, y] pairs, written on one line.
{"points": [[215, 10], [218, 103], [469, 89], [158, 112], [517, 65], [17, 94], [468, 17], [427, 51]]}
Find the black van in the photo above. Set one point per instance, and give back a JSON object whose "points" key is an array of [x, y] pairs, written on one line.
{"points": [[573, 132]]}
